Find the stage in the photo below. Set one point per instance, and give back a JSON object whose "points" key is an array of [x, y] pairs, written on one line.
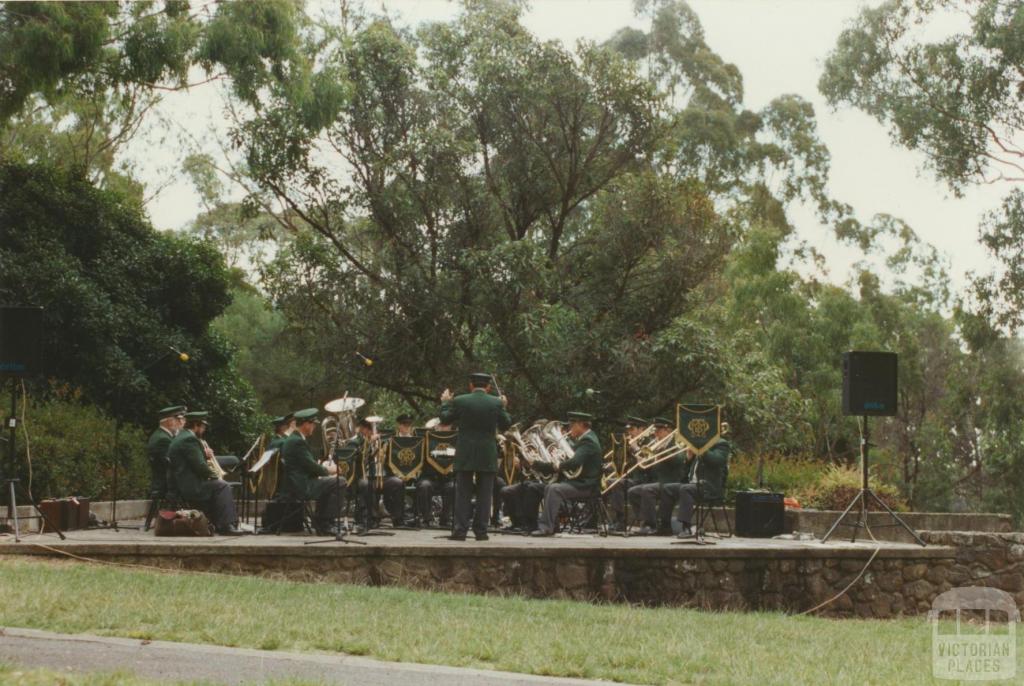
{"points": [[732, 573]]}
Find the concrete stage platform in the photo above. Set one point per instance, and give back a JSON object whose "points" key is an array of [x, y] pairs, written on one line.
{"points": [[734, 573]]}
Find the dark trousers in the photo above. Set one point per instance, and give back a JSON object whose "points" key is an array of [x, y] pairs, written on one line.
{"points": [[653, 504], [466, 485], [496, 501], [426, 488], [220, 507], [532, 497], [687, 499], [394, 499], [330, 500], [366, 502], [554, 496], [617, 500], [512, 503]]}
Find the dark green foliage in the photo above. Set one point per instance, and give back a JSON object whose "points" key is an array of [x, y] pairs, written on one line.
{"points": [[116, 294], [70, 443]]}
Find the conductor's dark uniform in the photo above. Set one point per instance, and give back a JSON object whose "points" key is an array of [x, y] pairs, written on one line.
{"points": [[478, 416]]}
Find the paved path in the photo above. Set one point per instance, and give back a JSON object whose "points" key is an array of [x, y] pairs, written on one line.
{"points": [[166, 661]]}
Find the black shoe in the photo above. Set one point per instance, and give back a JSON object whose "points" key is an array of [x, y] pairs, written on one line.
{"points": [[457, 537], [645, 531], [482, 536], [329, 530], [538, 533], [230, 531], [685, 532]]}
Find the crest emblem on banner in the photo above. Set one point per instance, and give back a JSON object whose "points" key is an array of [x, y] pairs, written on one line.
{"points": [[700, 426], [441, 450], [405, 456], [346, 458]]}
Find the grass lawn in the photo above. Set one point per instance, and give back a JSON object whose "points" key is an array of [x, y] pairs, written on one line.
{"points": [[558, 638]]}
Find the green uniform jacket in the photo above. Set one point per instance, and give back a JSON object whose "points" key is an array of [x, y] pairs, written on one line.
{"points": [[301, 470], [479, 417], [191, 476], [276, 442], [156, 450], [713, 470], [587, 454], [670, 471]]}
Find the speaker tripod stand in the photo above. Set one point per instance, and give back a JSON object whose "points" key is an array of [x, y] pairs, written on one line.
{"points": [[11, 482], [864, 497]]}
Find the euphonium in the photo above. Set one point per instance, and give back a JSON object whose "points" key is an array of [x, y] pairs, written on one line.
{"points": [[560, 449]]}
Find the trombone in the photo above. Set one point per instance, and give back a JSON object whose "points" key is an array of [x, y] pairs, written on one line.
{"points": [[664, 448]]}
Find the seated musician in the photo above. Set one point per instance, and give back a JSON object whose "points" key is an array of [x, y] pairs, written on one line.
{"points": [[366, 491], [706, 484], [647, 499], [194, 479], [586, 456], [394, 485], [617, 495], [431, 482], [307, 479], [284, 426], [171, 420], [521, 501]]}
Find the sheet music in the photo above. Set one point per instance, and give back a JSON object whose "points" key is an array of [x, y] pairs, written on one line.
{"points": [[262, 462]]}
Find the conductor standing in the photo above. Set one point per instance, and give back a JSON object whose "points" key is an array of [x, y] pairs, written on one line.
{"points": [[478, 416]]}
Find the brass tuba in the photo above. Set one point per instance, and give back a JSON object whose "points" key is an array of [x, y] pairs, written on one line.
{"points": [[652, 453]]}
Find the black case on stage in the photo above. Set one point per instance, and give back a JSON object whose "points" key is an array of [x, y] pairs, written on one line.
{"points": [[277, 510], [759, 514]]}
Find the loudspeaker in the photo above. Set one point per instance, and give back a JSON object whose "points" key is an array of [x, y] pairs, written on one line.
{"points": [[20, 339], [869, 384], [759, 515]]}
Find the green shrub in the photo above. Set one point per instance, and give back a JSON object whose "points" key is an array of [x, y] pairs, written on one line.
{"points": [[71, 446], [814, 483], [837, 486], [782, 473]]}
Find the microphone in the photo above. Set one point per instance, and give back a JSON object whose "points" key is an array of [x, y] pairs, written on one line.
{"points": [[366, 360], [181, 356]]}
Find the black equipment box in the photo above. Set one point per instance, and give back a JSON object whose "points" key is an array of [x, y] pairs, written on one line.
{"points": [[869, 384], [759, 514], [20, 336], [284, 514]]}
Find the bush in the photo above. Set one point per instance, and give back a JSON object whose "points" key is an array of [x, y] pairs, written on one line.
{"points": [[71, 445], [838, 486], [815, 484], [782, 473]]}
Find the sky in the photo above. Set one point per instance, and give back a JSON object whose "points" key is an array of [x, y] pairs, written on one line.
{"points": [[779, 47]]}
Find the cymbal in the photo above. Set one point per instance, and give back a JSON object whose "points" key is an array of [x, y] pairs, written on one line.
{"points": [[345, 404]]}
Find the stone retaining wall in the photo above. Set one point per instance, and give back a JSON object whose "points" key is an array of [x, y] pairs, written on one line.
{"points": [[901, 580]]}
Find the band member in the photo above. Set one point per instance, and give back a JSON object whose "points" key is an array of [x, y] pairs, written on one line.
{"points": [[586, 455], [617, 495], [431, 482], [478, 416], [171, 420], [366, 490], [521, 502], [656, 511], [283, 428], [394, 485], [194, 478], [708, 475], [307, 479]]}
